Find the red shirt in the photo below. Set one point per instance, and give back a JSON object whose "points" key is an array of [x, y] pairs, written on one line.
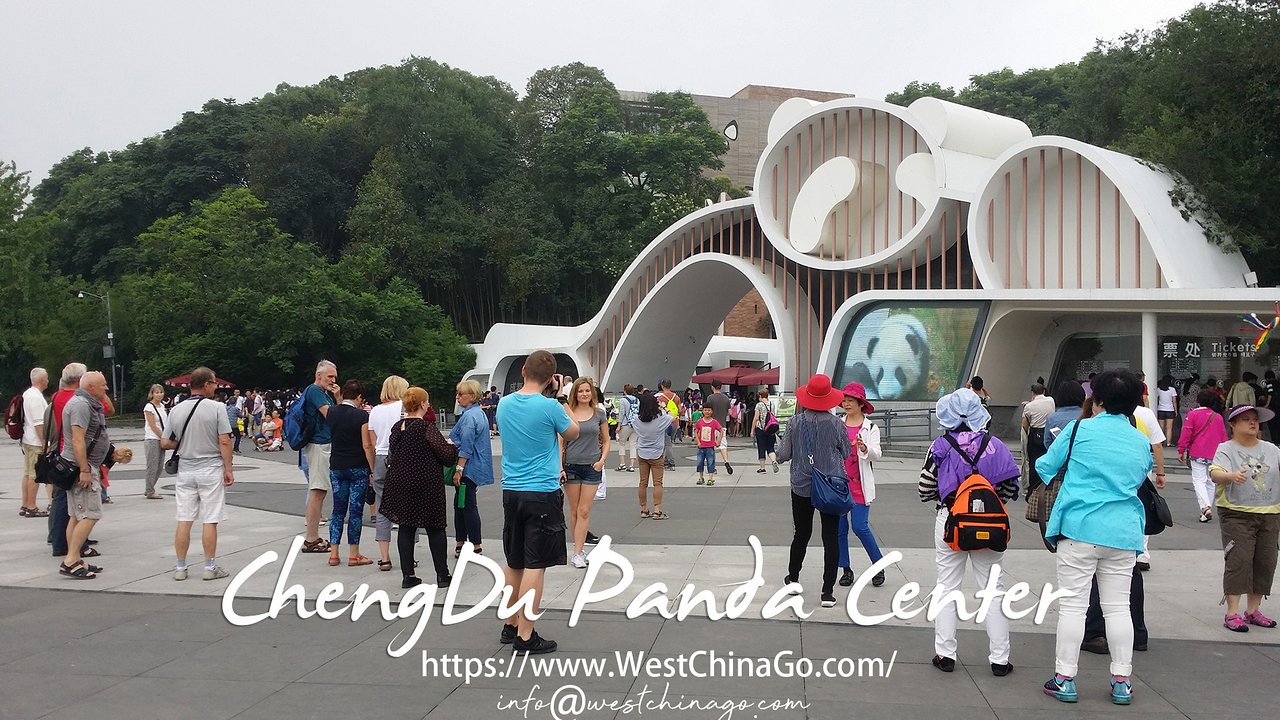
{"points": [[705, 430], [59, 403]]}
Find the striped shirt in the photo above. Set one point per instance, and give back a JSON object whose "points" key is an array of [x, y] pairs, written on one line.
{"points": [[830, 446]]}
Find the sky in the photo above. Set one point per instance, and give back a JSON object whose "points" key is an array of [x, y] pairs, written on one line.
{"points": [[76, 73]]}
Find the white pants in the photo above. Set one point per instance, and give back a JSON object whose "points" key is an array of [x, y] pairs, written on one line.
{"points": [[1078, 562], [951, 565], [600, 491], [1203, 484]]}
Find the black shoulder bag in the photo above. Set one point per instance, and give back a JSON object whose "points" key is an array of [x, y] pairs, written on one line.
{"points": [[51, 467], [171, 465]]}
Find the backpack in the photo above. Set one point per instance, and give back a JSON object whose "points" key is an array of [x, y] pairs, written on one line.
{"points": [[13, 417], [977, 519], [771, 422], [299, 426], [633, 410]]}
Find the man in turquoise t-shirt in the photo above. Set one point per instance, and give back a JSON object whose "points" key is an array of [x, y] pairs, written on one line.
{"points": [[318, 398], [532, 501]]}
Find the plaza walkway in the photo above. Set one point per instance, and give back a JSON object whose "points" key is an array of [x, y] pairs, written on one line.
{"points": [[136, 644]]}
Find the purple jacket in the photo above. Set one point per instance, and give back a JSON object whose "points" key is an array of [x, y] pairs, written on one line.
{"points": [[996, 463]]}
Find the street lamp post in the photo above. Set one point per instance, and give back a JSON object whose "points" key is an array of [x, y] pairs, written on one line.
{"points": [[111, 340]]}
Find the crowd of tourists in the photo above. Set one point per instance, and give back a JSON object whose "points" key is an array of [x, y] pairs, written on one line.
{"points": [[1090, 449]]}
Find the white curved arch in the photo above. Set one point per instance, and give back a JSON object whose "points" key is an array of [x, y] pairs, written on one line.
{"points": [[671, 328], [1135, 240]]}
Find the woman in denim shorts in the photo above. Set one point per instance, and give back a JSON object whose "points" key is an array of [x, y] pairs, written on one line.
{"points": [[583, 463]]}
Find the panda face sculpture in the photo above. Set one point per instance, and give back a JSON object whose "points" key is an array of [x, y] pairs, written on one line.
{"points": [[888, 354]]}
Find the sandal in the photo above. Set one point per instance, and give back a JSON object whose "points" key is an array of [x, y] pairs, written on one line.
{"points": [[659, 515], [644, 515], [334, 561], [22, 511], [78, 571], [384, 565], [90, 552], [357, 560], [457, 549], [315, 546]]}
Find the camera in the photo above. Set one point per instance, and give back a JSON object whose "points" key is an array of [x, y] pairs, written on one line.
{"points": [[552, 388]]}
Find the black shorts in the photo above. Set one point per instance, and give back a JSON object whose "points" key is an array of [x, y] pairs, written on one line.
{"points": [[533, 529]]}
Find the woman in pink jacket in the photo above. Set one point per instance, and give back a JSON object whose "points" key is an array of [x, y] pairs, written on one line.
{"points": [[1201, 434]]}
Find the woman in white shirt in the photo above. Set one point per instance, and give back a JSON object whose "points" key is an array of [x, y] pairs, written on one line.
{"points": [[1166, 405], [156, 417], [381, 420]]}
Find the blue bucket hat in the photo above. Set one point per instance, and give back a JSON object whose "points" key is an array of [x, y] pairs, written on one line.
{"points": [[962, 407]]}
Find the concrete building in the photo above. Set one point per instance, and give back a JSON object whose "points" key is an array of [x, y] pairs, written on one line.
{"points": [[911, 247]]}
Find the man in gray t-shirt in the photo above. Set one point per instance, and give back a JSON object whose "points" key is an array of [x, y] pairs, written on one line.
{"points": [[719, 404], [200, 429], [85, 444]]}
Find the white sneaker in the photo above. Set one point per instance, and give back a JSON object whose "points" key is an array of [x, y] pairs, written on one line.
{"points": [[179, 574], [214, 573], [600, 496], [579, 560]]}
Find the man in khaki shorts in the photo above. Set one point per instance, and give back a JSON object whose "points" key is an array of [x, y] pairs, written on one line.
{"points": [[33, 430], [85, 444], [318, 398], [201, 433]]}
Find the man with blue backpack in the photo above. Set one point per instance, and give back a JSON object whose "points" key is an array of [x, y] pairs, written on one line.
{"points": [[306, 429]]}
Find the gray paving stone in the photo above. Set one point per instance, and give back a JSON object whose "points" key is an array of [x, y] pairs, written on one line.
{"points": [[163, 698], [118, 657], [327, 702], [169, 625], [751, 638], [831, 710], [905, 685], [372, 664], [1207, 692], [231, 659], [30, 693]]}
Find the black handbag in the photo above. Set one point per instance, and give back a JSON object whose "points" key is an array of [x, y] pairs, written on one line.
{"points": [[171, 465], [1158, 515], [51, 467]]}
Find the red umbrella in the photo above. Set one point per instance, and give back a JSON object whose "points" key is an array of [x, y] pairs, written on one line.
{"points": [[761, 377], [182, 381], [726, 376]]}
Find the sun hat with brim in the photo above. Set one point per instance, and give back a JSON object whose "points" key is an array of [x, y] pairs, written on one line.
{"points": [[1264, 415], [962, 407], [856, 391], [817, 394]]}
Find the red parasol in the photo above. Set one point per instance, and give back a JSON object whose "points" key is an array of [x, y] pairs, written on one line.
{"points": [[761, 377], [726, 376], [183, 381]]}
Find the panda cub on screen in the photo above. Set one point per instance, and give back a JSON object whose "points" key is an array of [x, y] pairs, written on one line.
{"points": [[889, 355]]}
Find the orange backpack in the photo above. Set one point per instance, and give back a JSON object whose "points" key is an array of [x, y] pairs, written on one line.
{"points": [[978, 520]]}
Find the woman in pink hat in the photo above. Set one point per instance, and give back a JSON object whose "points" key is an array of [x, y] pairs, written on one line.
{"points": [[814, 438], [864, 437]]}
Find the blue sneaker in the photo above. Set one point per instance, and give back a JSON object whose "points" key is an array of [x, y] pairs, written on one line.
{"points": [[1061, 688], [1121, 691]]}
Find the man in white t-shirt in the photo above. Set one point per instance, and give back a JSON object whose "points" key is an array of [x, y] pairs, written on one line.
{"points": [[200, 430], [33, 409]]}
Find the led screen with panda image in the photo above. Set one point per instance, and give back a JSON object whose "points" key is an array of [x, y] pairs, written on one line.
{"points": [[909, 351]]}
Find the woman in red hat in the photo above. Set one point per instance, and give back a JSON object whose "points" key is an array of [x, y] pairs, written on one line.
{"points": [[824, 444], [864, 437]]}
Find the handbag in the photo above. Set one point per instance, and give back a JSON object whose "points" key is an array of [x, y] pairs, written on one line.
{"points": [[1158, 515], [1040, 502], [51, 467], [171, 465], [829, 493]]}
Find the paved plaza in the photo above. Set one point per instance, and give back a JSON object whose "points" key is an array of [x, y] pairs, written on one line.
{"points": [[135, 644]]}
